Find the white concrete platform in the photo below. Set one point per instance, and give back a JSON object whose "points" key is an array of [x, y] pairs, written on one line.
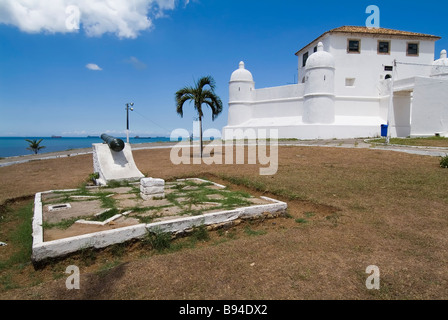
{"points": [[42, 250]]}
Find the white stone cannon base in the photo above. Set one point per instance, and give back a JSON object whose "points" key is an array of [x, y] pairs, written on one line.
{"points": [[111, 165]]}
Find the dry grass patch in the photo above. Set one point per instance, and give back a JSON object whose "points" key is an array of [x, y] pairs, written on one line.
{"points": [[349, 208]]}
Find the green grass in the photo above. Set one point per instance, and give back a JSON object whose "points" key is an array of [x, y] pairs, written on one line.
{"points": [[250, 232], [198, 195], [105, 215], [200, 233], [117, 184], [20, 237], [7, 283], [256, 185], [232, 202], [158, 240], [137, 211], [412, 141], [118, 249], [247, 182], [145, 219], [88, 256], [146, 209], [172, 197], [64, 224], [309, 214], [106, 201]]}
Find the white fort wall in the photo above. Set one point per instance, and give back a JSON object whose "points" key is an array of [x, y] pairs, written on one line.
{"points": [[282, 108], [429, 107], [287, 101], [277, 101], [273, 102]]}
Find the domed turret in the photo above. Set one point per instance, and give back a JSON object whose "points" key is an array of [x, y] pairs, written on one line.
{"points": [[320, 59], [440, 66], [241, 74], [319, 88], [241, 94]]}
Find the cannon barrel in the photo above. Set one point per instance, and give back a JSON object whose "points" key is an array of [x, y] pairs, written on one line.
{"points": [[114, 144]]}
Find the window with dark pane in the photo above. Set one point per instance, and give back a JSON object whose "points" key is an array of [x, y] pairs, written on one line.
{"points": [[383, 47], [354, 46], [413, 49], [305, 58]]}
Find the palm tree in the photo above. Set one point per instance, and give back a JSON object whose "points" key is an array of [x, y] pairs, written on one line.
{"points": [[34, 145], [200, 95]]}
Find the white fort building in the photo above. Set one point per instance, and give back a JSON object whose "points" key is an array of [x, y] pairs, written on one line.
{"points": [[352, 80]]}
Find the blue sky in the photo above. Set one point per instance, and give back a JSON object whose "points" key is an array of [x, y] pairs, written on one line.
{"points": [[46, 88]]}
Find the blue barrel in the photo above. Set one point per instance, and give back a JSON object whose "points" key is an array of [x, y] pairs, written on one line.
{"points": [[384, 130]]}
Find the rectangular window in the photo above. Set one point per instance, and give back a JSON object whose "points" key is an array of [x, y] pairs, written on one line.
{"points": [[388, 68], [305, 57], [413, 49], [354, 46], [383, 47], [315, 49]]}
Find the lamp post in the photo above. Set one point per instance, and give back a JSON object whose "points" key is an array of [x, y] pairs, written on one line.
{"points": [[128, 107]]}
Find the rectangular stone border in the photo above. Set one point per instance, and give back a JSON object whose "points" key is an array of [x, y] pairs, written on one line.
{"points": [[56, 248]]}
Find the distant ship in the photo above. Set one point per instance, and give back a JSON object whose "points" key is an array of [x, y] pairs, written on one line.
{"points": [[56, 137]]}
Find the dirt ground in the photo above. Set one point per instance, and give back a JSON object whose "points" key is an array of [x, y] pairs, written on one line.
{"points": [[349, 209]]}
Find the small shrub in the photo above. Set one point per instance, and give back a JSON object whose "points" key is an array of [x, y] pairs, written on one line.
{"points": [[444, 161], [200, 233], [93, 176], [88, 256], [159, 240], [118, 250]]}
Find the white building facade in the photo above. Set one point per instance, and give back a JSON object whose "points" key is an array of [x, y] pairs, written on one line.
{"points": [[352, 80]]}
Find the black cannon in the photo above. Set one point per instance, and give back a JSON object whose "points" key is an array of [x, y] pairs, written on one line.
{"points": [[114, 144]]}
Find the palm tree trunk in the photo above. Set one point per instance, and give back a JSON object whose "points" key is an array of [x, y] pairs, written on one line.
{"points": [[200, 133]]}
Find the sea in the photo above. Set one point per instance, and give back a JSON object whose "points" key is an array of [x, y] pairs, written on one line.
{"points": [[17, 146]]}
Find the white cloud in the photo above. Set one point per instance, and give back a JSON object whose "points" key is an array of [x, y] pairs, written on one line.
{"points": [[137, 64], [93, 66], [124, 18]]}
